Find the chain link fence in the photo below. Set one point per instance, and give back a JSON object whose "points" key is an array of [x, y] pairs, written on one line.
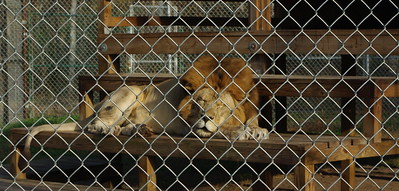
{"points": [[46, 45]]}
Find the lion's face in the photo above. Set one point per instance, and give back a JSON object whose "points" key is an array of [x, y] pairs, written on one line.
{"points": [[206, 111]]}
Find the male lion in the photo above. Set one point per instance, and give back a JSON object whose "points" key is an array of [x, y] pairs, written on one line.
{"points": [[217, 98]]}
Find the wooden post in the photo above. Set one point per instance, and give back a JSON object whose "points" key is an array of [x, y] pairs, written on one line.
{"points": [[147, 179], [372, 122], [304, 177], [86, 107], [261, 14], [348, 182], [106, 63]]}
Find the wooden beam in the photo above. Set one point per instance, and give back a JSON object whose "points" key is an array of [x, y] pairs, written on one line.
{"points": [[277, 147], [260, 14], [277, 85], [348, 168], [304, 177], [372, 122], [272, 42], [147, 177], [175, 21], [105, 12], [86, 107]]}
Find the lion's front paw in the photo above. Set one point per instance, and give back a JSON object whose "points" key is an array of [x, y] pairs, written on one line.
{"points": [[116, 130], [98, 127], [142, 129], [255, 133], [258, 133]]}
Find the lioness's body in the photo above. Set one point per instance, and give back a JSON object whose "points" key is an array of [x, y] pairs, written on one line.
{"points": [[156, 106], [222, 102], [161, 99]]}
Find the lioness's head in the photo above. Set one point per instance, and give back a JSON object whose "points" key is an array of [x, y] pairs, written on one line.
{"points": [[222, 96]]}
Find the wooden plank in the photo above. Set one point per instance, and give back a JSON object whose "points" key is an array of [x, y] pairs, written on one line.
{"points": [[104, 12], [187, 147], [175, 21], [348, 168], [221, 149], [340, 153], [86, 107], [260, 14], [285, 149], [271, 42], [147, 176], [277, 85], [191, 0], [372, 123], [304, 177], [388, 86]]}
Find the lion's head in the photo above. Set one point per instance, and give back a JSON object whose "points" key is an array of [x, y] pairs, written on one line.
{"points": [[222, 96]]}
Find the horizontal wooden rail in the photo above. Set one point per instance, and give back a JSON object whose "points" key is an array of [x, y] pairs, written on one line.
{"points": [[355, 42], [175, 21], [277, 85]]}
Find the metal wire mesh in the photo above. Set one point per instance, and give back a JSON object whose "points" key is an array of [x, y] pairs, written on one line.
{"points": [[45, 46]]}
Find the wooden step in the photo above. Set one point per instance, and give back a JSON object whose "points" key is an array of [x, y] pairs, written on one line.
{"points": [[269, 85]]}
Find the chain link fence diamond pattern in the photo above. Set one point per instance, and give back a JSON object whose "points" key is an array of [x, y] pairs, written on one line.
{"points": [[45, 46]]}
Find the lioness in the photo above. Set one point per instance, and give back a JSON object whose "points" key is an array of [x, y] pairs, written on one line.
{"points": [[212, 98]]}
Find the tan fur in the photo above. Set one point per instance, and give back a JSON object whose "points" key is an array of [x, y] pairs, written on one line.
{"points": [[225, 84], [131, 110]]}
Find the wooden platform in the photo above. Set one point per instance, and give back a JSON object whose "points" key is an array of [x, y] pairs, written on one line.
{"points": [[281, 148]]}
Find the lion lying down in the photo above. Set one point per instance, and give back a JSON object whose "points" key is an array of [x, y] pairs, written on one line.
{"points": [[221, 107]]}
